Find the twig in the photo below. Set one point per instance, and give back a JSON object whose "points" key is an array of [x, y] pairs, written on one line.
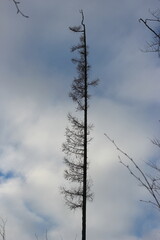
{"points": [[145, 23], [18, 9], [146, 181]]}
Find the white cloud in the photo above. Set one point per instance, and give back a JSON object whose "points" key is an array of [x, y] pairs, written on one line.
{"points": [[35, 74]]}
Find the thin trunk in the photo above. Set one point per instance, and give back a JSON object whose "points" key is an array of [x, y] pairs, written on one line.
{"points": [[85, 146]]}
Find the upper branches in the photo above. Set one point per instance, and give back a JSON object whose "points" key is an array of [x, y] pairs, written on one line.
{"points": [[80, 28], [18, 9], [80, 85]]}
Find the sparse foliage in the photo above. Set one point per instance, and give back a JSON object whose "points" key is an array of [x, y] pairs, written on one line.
{"points": [[77, 134]]}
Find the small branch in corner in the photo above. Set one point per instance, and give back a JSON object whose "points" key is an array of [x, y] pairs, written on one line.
{"points": [[18, 9]]}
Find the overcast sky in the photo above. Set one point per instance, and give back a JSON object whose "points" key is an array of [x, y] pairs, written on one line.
{"points": [[35, 78]]}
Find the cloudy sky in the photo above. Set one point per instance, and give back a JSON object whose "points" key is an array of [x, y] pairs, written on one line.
{"points": [[35, 77]]}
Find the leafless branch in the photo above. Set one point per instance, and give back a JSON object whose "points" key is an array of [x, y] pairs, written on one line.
{"points": [[151, 24], [146, 24], [18, 9], [151, 184]]}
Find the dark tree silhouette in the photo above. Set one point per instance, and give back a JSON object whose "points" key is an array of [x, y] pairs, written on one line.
{"points": [[77, 135], [18, 9], [153, 24]]}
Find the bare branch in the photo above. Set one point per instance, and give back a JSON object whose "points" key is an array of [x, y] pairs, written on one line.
{"points": [[82, 22], [151, 24], [149, 183], [18, 9], [145, 23]]}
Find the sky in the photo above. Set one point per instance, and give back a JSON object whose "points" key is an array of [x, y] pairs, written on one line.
{"points": [[35, 77]]}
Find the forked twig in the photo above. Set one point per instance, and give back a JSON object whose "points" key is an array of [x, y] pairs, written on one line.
{"points": [[18, 9]]}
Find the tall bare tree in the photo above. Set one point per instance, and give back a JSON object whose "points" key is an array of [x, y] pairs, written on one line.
{"points": [[77, 135]]}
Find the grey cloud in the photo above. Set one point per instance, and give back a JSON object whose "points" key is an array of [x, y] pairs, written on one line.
{"points": [[34, 103]]}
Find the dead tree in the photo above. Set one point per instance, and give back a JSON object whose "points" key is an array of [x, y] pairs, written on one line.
{"points": [[77, 134], [153, 24], [149, 180]]}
